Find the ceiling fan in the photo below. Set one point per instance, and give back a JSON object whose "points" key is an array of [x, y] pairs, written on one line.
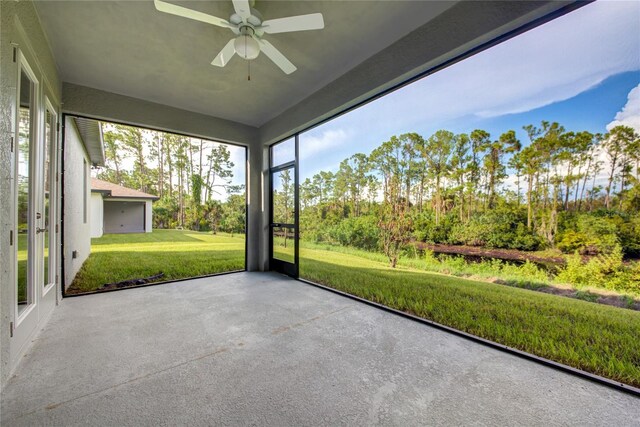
{"points": [[247, 24]]}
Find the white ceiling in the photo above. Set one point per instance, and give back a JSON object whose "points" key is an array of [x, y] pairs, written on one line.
{"points": [[129, 48]]}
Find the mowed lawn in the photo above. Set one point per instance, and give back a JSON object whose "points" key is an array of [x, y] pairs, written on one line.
{"points": [[600, 339], [178, 254]]}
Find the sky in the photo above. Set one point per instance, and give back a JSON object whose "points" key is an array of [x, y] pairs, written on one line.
{"points": [[581, 70]]}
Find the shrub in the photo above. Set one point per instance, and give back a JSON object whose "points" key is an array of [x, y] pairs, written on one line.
{"points": [[361, 232], [497, 229], [426, 230], [592, 235], [629, 235], [604, 271]]}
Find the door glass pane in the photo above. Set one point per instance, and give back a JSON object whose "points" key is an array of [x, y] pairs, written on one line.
{"points": [[24, 294], [283, 244], [283, 152], [283, 196], [47, 192]]}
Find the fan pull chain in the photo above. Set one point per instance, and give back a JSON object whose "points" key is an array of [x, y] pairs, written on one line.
{"points": [[248, 62]]}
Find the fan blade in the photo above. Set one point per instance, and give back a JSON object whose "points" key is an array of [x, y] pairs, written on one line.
{"points": [[225, 55], [242, 8], [274, 54], [313, 21], [173, 9]]}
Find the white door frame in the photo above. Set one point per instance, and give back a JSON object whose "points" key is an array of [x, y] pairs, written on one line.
{"points": [[49, 285], [23, 324]]}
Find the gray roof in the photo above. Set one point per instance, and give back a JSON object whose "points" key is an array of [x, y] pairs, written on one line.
{"points": [[109, 189]]}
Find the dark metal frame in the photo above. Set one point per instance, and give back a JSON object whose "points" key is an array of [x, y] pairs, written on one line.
{"points": [[290, 269]]}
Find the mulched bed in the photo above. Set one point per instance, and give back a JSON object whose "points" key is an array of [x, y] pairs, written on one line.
{"points": [[590, 296], [132, 282]]}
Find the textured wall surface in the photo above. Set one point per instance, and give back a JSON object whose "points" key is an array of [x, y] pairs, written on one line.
{"points": [[99, 104], [77, 232], [19, 26]]}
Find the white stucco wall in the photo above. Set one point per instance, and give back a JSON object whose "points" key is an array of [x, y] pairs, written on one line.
{"points": [[77, 230], [148, 216], [96, 215]]}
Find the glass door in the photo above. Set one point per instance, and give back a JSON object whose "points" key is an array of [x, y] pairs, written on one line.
{"points": [[284, 215], [48, 201], [27, 234]]}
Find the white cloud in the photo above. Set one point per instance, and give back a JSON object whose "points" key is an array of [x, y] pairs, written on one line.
{"points": [[314, 144], [554, 62], [630, 113]]}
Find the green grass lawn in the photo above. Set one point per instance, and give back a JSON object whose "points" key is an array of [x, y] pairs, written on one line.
{"points": [[176, 253], [22, 266], [596, 338], [284, 249]]}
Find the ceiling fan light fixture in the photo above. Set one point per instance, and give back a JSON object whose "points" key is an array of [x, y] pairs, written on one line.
{"points": [[246, 47]]}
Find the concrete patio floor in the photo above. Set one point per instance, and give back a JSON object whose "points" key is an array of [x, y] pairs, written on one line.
{"points": [[262, 349]]}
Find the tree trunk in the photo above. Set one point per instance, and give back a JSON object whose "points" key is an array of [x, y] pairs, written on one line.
{"points": [[438, 199], [529, 207], [584, 183], [607, 199]]}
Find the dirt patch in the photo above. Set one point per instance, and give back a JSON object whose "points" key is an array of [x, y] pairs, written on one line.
{"points": [[593, 296], [619, 302], [507, 254]]}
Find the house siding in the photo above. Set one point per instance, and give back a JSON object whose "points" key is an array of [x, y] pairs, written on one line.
{"points": [[77, 231]]}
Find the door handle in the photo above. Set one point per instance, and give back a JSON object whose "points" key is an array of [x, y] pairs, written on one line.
{"points": [[41, 230]]}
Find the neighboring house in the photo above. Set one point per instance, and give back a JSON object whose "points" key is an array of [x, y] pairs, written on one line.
{"points": [[118, 209], [83, 149]]}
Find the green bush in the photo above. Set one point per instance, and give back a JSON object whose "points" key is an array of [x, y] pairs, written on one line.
{"points": [[606, 271], [426, 230], [497, 229], [629, 235], [361, 232], [592, 235]]}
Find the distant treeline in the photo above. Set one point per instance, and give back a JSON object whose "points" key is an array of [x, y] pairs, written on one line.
{"points": [[575, 191], [189, 175]]}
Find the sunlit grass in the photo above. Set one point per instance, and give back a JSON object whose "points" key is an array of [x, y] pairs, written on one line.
{"points": [[178, 254], [284, 249], [592, 337]]}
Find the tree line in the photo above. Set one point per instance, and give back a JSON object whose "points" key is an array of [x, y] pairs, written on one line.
{"points": [[568, 190], [189, 175]]}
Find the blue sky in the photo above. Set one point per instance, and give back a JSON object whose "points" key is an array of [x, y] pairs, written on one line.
{"points": [[580, 70]]}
